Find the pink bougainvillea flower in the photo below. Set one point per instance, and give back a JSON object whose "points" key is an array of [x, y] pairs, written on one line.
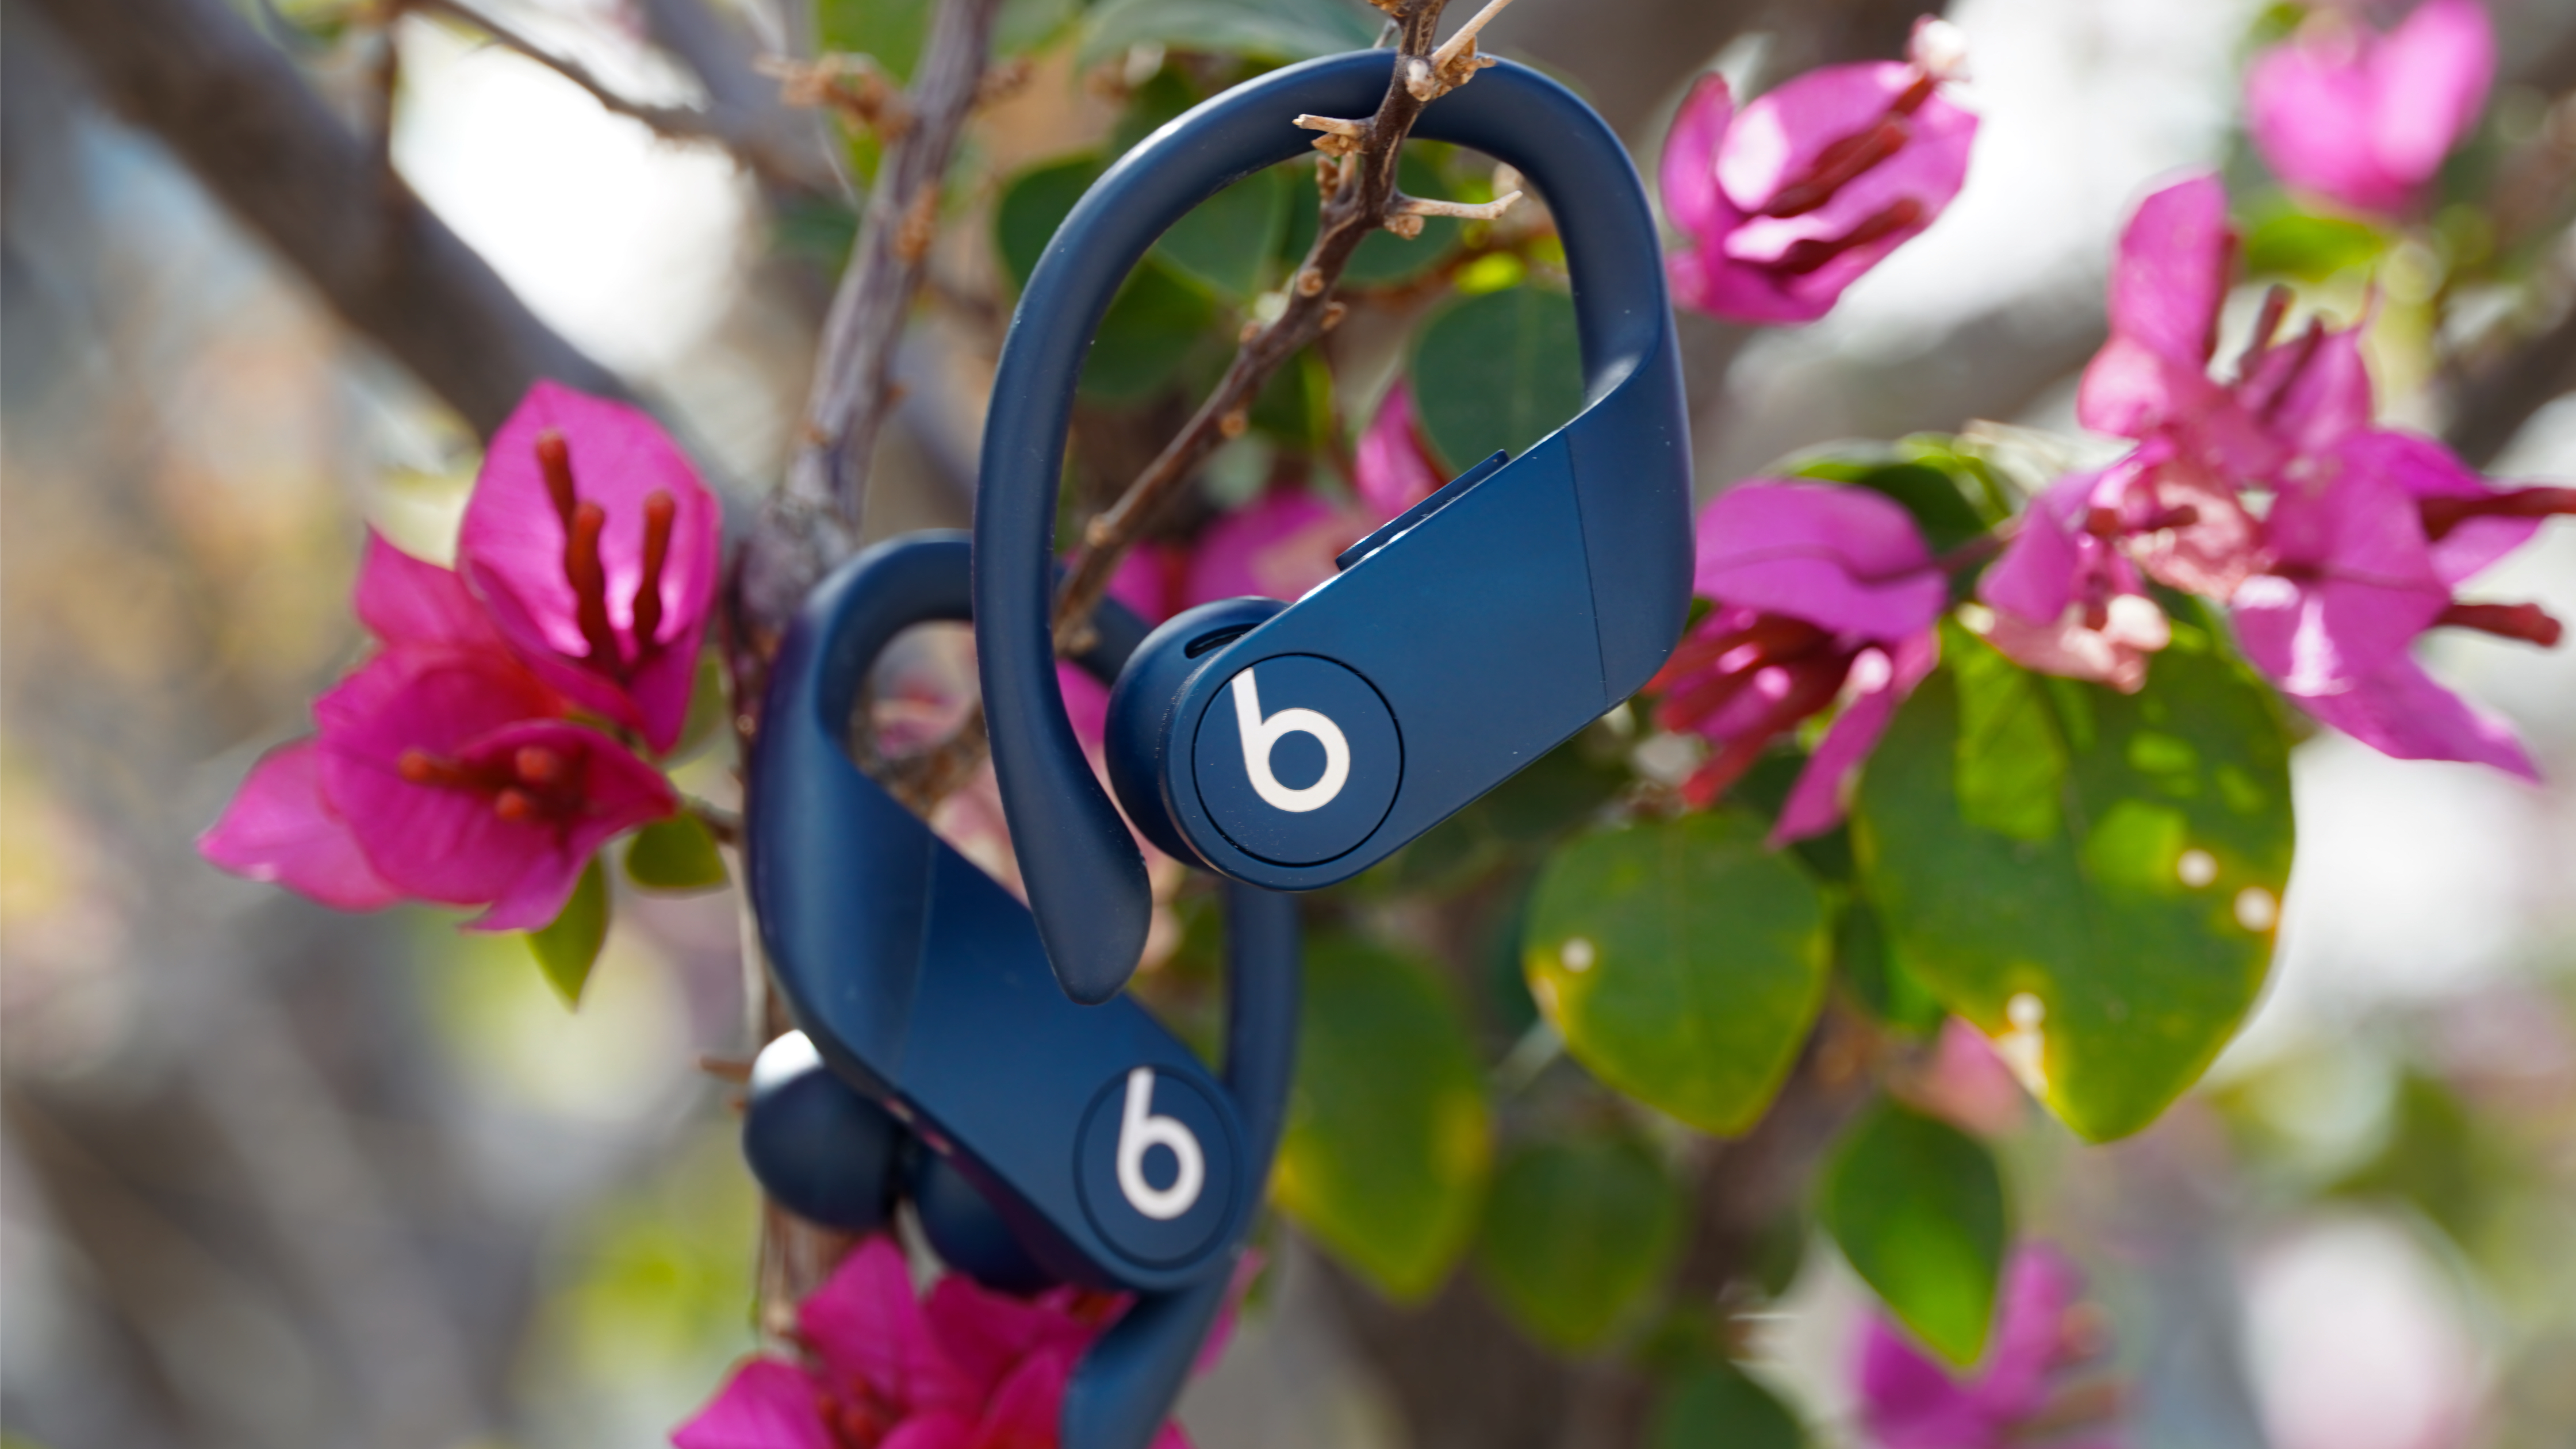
{"points": [[595, 549], [2364, 119], [460, 788], [1824, 594], [966, 1368], [1278, 548], [2065, 600], [1786, 204], [2021, 1395], [2365, 553], [1392, 469]]}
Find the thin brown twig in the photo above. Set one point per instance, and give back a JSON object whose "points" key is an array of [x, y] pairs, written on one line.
{"points": [[742, 136]]}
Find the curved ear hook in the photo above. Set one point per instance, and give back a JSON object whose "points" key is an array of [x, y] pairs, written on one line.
{"points": [[1085, 878]]}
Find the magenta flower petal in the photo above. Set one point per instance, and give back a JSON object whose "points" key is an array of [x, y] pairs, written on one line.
{"points": [[2425, 469], [1281, 546], [2431, 78], [944, 1429], [2034, 577], [2405, 714], [458, 791], [1391, 471], [512, 551], [1687, 172], [2365, 119], [1027, 1406], [2167, 285], [2312, 398], [984, 1334], [2352, 582], [866, 1325], [1878, 683], [278, 828], [1909, 1401], [1844, 559], [408, 601], [765, 1405]]}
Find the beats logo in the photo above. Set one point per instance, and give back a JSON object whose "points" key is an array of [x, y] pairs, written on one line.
{"points": [[1140, 1130], [1155, 1163], [1311, 777]]}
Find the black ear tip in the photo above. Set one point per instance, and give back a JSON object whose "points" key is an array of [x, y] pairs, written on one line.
{"points": [[1096, 979]]}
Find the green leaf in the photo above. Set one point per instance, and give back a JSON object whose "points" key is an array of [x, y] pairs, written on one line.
{"points": [[1884, 988], [1269, 29], [1033, 205], [2311, 248], [709, 708], [677, 855], [1026, 25], [1683, 961], [1389, 1138], [1498, 371], [2091, 875], [1576, 1234], [567, 949], [1146, 336], [890, 30], [1943, 504], [1296, 405], [1918, 1208], [1226, 242], [1382, 258], [1713, 1404]]}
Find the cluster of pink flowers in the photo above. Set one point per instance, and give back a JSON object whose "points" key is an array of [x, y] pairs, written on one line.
{"points": [[962, 1367], [2028, 1390], [492, 743]]}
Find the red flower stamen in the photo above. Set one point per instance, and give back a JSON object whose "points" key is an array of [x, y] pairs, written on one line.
{"points": [[537, 765], [2527, 622], [514, 805], [660, 512], [1838, 165], [2267, 325], [419, 767], [1809, 691], [2441, 515], [554, 460], [589, 579], [1814, 252]]}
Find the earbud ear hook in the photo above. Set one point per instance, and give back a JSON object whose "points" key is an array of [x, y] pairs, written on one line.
{"points": [[851, 888], [1617, 480]]}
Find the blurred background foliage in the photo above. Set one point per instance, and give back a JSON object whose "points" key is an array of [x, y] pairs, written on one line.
{"points": [[276, 1177]]}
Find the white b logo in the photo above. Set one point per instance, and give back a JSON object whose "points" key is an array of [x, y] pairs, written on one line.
{"points": [[1138, 1130], [1261, 736]]}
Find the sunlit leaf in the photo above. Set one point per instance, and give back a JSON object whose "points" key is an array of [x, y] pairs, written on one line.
{"points": [[2311, 248], [1269, 29], [1683, 961], [2091, 876], [1389, 1138], [677, 855], [1498, 371], [1917, 1206], [1576, 1234], [569, 947]]}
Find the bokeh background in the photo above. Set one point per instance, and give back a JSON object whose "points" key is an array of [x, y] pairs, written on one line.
{"points": [[271, 1176]]}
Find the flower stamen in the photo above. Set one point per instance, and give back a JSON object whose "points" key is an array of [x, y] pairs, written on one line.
{"points": [[660, 512], [2527, 622], [1812, 253]]}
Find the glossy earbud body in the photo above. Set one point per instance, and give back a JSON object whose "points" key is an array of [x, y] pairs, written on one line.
{"points": [[817, 1145], [1458, 643]]}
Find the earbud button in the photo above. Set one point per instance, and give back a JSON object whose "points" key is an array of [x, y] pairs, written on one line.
{"points": [[1156, 1167], [1297, 759]]}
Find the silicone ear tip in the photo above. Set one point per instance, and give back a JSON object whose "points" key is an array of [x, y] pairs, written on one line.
{"points": [[1090, 976]]}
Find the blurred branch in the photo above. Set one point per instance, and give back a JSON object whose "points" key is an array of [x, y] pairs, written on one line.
{"points": [[724, 60], [748, 136], [195, 74], [2491, 408], [813, 520]]}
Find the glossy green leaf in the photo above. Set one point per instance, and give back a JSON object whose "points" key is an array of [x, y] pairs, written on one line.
{"points": [[1876, 978], [1943, 493], [1498, 371], [1269, 29], [890, 30], [1576, 1235], [1683, 960], [1227, 241], [1296, 405], [677, 855], [567, 948], [2090, 875], [2311, 248], [1146, 336], [1026, 25], [1382, 259], [1917, 1206], [1033, 205], [1713, 1405], [1389, 1138]]}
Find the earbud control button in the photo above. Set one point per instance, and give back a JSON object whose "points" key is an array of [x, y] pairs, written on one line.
{"points": [[1156, 1167], [1297, 759]]}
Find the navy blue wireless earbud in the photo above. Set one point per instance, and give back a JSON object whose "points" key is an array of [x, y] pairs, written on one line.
{"points": [[1103, 1151], [1292, 748]]}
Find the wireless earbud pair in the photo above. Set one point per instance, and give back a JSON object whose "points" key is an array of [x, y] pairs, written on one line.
{"points": [[1283, 747], [1293, 747]]}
